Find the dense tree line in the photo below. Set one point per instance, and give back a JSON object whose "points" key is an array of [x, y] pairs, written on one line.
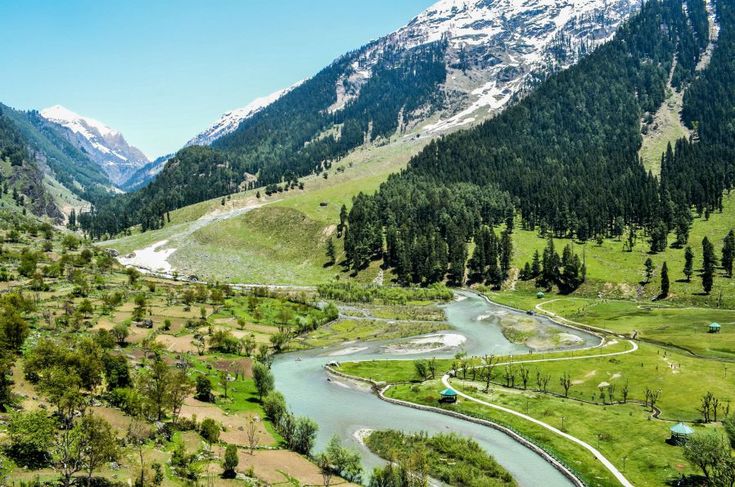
{"points": [[699, 170], [566, 157], [12, 146]]}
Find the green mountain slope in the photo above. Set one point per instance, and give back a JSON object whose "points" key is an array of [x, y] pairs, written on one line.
{"points": [[22, 185], [67, 164]]}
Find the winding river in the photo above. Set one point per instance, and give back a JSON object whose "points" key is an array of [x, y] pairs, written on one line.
{"points": [[342, 408]]}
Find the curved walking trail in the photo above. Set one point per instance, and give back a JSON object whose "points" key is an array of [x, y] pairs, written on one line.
{"points": [[597, 454]]}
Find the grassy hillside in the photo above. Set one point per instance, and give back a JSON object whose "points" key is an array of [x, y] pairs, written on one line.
{"points": [[617, 274], [283, 238]]}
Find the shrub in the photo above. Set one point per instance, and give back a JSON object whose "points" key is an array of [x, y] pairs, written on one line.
{"points": [[210, 430]]}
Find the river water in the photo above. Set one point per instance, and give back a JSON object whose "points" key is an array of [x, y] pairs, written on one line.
{"points": [[342, 408]]}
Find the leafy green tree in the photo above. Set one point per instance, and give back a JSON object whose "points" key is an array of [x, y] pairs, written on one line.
{"points": [[63, 388], [31, 435], [13, 329], [28, 263], [180, 387], [224, 341], [274, 406], [117, 372], [97, 443], [278, 340], [154, 385], [264, 381], [204, 388], [304, 435], [6, 382], [121, 331], [339, 460], [133, 275], [729, 424], [707, 451], [210, 430]]}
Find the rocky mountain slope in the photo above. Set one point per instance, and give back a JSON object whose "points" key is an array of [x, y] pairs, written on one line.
{"points": [[495, 49], [104, 145]]}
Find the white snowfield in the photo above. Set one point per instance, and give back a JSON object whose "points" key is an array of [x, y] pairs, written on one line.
{"points": [[153, 258], [77, 123], [520, 34]]}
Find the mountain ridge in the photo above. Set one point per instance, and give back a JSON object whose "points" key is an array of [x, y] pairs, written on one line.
{"points": [[104, 145]]}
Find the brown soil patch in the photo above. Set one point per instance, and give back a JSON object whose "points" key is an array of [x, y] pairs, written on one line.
{"points": [[117, 419], [31, 398], [180, 344], [268, 466], [239, 366], [234, 424]]}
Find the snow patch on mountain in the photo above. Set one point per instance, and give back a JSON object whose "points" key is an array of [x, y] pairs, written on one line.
{"points": [[496, 49], [229, 122], [501, 47], [106, 146]]}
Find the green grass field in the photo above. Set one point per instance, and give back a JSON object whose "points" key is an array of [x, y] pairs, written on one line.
{"points": [[588, 413], [614, 273], [645, 457]]}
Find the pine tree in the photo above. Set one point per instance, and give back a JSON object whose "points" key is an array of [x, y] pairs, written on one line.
{"points": [[728, 253], [550, 266], [649, 268], [708, 265], [72, 224], [331, 251], [342, 220], [688, 263], [536, 265], [664, 281], [506, 253]]}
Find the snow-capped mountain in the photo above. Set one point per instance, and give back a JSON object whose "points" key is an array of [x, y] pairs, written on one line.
{"points": [[456, 64], [228, 122], [496, 49], [104, 145]]}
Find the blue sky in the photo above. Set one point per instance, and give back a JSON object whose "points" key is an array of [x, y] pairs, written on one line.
{"points": [[160, 71]]}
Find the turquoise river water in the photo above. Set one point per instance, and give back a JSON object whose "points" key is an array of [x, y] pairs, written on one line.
{"points": [[342, 408]]}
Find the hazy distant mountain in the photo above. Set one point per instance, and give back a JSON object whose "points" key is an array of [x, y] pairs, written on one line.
{"points": [[104, 145], [144, 175]]}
